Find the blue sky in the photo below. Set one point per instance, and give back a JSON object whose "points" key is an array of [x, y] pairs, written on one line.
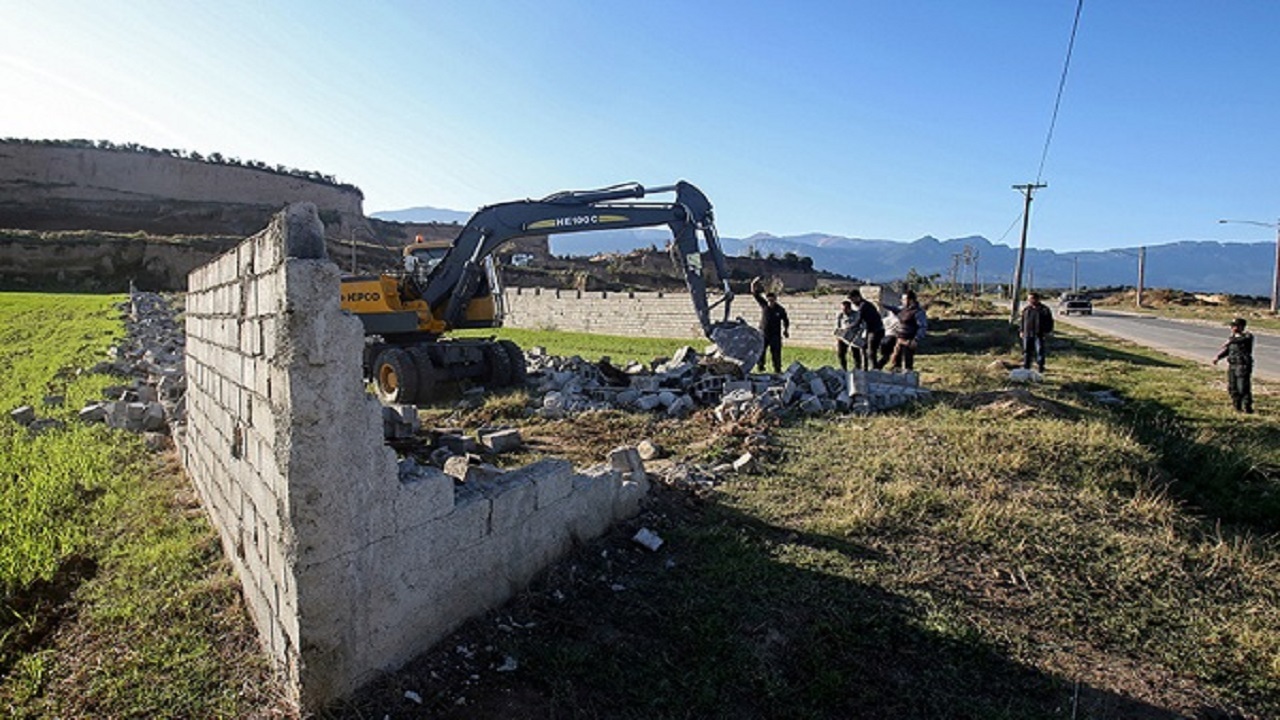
{"points": [[886, 120]]}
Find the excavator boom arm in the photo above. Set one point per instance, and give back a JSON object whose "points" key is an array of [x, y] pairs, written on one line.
{"points": [[454, 280]]}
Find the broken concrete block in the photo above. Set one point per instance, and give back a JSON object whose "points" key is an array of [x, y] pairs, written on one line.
{"points": [[649, 450], [153, 417], [682, 406], [685, 354], [817, 386], [457, 444], [811, 405], [626, 460], [53, 400], [94, 412], [789, 391], [24, 415], [502, 440], [394, 424], [466, 471], [648, 402], [744, 463], [666, 398]]}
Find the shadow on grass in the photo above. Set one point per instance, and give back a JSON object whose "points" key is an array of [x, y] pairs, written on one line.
{"points": [[723, 623], [29, 615], [1094, 351], [969, 335], [1225, 470]]}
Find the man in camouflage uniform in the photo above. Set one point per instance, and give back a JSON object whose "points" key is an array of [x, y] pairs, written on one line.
{"points": [[1238, 350]]}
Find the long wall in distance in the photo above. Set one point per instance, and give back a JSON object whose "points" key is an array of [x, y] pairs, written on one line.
{"points": [[663, 315], [351, 562]]}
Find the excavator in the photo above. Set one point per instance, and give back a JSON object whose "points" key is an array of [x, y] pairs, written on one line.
{"points": [[407, 314]]}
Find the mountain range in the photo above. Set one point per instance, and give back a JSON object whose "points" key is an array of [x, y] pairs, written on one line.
{"points": [[1193, 266]]}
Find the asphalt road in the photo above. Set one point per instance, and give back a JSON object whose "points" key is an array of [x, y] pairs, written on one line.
{"points": [[1189, 340]]}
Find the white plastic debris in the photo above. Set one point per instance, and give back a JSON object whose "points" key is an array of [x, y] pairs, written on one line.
{"points": [[648, 538]]}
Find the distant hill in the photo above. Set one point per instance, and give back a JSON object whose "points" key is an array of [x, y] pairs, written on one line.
{"points": [[423, 214], [1195, 266]]}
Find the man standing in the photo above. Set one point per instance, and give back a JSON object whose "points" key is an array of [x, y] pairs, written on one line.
{"points": [[873, 324], [1238, 350], [1037, 323], [911, 325], [773, 324]]}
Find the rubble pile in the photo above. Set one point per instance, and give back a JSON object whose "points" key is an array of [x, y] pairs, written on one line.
{"points": [[679, 385], [151, 359]]}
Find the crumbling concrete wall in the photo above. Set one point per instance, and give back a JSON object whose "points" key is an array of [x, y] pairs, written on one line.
{"points": [[664, 315], [350, 564]]}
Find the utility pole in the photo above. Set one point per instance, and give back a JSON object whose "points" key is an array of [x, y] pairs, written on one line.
{"points": [[1275, 278], [1142, 271], [1075, 274], [1022, 246]]}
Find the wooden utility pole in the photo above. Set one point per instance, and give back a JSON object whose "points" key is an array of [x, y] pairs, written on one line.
{"points": [[1022, 246], [1142, 271]]}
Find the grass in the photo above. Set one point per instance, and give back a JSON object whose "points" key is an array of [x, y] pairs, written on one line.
{"points": [[114, 600], [993, 554]]}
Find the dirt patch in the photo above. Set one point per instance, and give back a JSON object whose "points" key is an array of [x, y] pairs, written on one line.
{"points": [[1015, 402]]}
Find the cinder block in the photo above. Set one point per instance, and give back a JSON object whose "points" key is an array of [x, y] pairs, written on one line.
{"points": [[425, 496], [552, 477], [514, 502]]}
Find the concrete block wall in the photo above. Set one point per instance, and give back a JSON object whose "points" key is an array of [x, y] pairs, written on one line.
{"points": [[666, 315], [349, 565]]}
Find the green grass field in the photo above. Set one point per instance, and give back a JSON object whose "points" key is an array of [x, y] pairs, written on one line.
{"points": [[991, 554], [113, 600]]}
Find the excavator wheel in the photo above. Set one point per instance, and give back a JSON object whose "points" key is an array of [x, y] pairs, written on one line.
{"points": [[428, 377], [499, 366], [519, 369], [395, 376]]}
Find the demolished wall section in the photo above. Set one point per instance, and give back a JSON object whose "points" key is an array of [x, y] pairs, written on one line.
{"points": [[663, 315], [351, 564]]}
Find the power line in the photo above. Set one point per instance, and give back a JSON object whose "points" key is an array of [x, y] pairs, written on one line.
{"points": [[1062, 83]]}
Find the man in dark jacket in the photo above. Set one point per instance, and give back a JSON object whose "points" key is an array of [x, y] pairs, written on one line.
{"points": [[870, 318], [911, 324], [1037, 323], [1238, 350], [773, 324]]}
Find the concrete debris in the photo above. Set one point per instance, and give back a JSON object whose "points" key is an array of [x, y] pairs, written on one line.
{"points": [[649, 450], [470, 470], [500, 441], [152, 357], [679, 385], [626, 460], [744, 463], [648, 539], [24, 415], [400, 422], [54, 400]]}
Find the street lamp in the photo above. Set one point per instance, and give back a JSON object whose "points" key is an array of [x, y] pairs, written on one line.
{"points": [[1275, 277]]}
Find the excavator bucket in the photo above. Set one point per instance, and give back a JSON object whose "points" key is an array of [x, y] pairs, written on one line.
{"points": [[738, 342]]}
